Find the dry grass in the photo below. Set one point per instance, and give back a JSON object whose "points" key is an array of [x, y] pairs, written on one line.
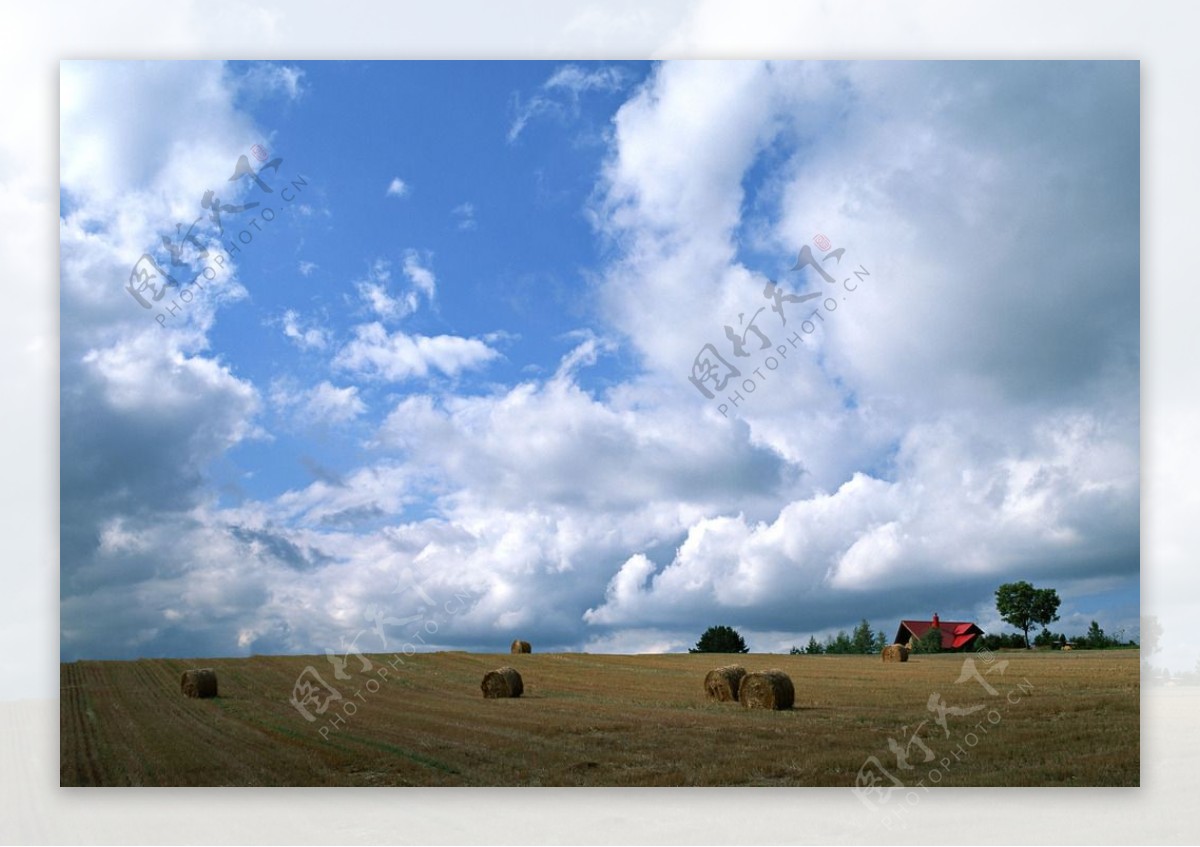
{"points": [[598, 720]]}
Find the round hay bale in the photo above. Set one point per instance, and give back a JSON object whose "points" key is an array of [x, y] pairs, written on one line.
{"points": [[895, 653], [502, 682], [767, 690], [722, 684], [522, 647], [199, 683]]}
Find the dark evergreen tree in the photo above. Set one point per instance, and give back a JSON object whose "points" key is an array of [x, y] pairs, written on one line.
{"points": [[720, 639]]}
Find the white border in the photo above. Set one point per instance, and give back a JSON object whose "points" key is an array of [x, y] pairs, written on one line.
{"points": [[34, 810]]}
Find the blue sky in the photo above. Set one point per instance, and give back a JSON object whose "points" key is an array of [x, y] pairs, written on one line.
{"points": [[456, 361]]}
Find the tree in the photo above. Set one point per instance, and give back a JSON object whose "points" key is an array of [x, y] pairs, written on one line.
{"points": [[930, 642], [881, 641], [1046, 638], [720, 639], [1095, 637], [814, 647], [862, 639], [1023, 606], [840, 645]]}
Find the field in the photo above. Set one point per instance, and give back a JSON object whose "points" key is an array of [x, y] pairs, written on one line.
{"points": [[1053, 719]]}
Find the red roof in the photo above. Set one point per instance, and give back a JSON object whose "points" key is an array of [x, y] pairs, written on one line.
{"points": [[955, 634]]}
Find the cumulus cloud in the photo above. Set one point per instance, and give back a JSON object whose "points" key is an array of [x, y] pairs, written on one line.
{"points": [[375, 289], [376, 353], [956, 433], [323, 403], [305, 334], [397, 187]]}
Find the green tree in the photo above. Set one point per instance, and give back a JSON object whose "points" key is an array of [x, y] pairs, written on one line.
{"points": [[1024, 606], [1046, 638], [1095, 637], [863, 639], [814, 647], [881, 641], [930, 642], [839, 645], [720, 639]]}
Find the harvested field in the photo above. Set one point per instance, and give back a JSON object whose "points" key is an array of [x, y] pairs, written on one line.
{"points": [[1060, 719]]}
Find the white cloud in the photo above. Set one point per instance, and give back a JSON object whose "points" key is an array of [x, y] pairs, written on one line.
{"points": [[323, 403], [266, 78], [578, 81], [306, 268], [953, 517], [306, 335], [398, 356], [375, 289], [397, 188], [465, 213], [419, 274], [572, 80], [374, 292]]}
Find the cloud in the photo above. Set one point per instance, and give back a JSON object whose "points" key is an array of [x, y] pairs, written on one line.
{"points": [[965, 434], [395, 357], [264, 79], [374, 289], [304, 335], [374, 292], [322, 404], [465, 213], [306, 268], [1069, 498], [551, 444], [578, 81], [419, 274], [397, 187], [571, 80]]}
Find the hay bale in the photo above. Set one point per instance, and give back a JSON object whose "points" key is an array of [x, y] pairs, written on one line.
{"points": [[722, 684], [522, 647], [1067, 647], [199, 683], [895, 653], [502, 682], [767, 690]]}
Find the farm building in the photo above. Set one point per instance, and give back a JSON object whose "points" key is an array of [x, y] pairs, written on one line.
{"points": [[956, 635]]}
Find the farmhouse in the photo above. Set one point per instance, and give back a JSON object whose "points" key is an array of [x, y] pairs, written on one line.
{"points": [[956, 635]]}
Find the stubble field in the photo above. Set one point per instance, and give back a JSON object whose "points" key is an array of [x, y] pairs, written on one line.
{"points": [[1042, 719]]}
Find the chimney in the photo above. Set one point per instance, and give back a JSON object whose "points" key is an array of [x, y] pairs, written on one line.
{"points": [[936, 623]]}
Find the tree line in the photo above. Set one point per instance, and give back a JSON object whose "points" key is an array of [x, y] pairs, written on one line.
{"points": [[1020, 604]]}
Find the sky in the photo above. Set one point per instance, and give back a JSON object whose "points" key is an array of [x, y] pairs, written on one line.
{"points": [[459, 355]]}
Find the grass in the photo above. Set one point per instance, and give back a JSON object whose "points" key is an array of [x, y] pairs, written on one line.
{"points": [[1055, 719]]}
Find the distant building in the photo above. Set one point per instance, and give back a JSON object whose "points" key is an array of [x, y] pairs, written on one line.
{"points": [[956, 635]]}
